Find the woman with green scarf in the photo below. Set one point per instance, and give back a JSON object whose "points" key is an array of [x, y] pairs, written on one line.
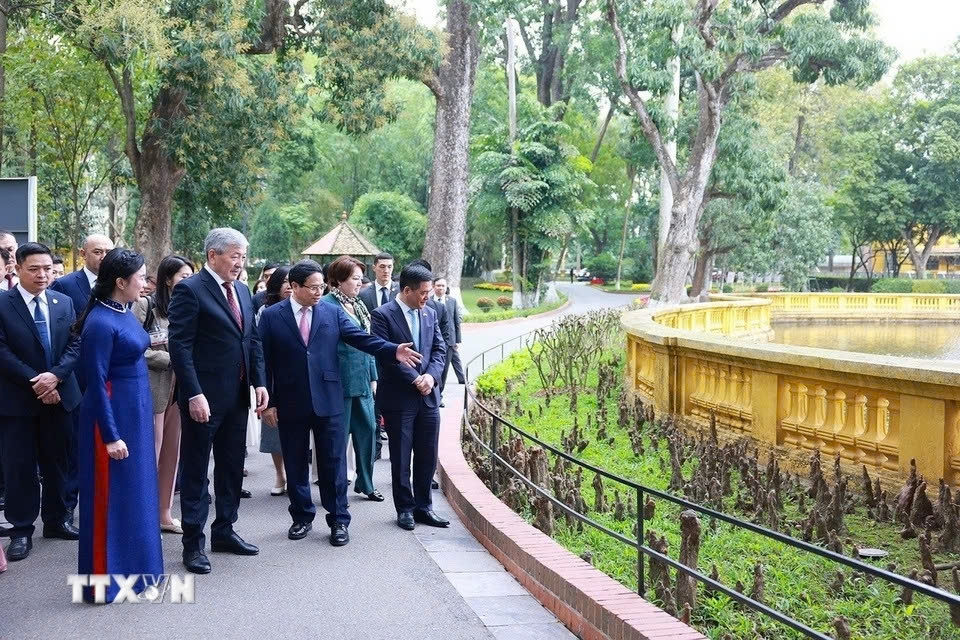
{"points": [[358, 372]]}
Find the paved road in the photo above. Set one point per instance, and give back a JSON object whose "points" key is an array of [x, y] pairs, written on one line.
{"points": [[387, 583]]}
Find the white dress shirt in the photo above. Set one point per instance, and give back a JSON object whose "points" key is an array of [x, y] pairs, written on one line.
{"points": [[91, 276], [406, 314], [297, 307], [220, 281], [28, 299]]}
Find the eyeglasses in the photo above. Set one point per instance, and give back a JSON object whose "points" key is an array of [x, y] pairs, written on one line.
{"points": [[315, 288]]}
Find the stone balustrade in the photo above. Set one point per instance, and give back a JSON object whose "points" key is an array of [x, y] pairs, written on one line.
{"points": [[707, 359]]}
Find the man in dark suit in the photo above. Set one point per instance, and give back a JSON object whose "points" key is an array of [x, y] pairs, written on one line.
{"points": [[409, 398], [38, 355], [383, 289], [77, 285], [216, 356], [451, 333], [265, 274], [300, 337]]}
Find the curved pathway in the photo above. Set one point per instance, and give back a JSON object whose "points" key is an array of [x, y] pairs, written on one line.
{"points": [[387, 583]]}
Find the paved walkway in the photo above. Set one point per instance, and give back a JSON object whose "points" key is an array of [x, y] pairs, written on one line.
{"points": [[387, 583]]}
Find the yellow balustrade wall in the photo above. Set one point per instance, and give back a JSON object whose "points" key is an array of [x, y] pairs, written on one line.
{"points": [[881, 411]]}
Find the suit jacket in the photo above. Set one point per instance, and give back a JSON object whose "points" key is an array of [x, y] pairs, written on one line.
{"points": [[77, 287], [22, 356], [371, 296], [443, 320], [304, 380], [207, 347], [451, 330], [395, 390]]}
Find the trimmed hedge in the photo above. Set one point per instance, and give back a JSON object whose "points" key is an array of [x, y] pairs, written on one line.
{"points": [[494, 286], [892, 285], [825, 283]]}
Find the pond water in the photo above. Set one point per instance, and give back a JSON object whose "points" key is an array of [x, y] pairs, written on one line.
{"points": [[927, 340]]}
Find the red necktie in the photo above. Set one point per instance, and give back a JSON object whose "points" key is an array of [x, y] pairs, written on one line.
{"points": [[232, 303], [9, 278], [304, 328]]}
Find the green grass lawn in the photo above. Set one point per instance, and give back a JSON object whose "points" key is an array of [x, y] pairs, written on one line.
{"points": [[797, 583], [471, 295]]}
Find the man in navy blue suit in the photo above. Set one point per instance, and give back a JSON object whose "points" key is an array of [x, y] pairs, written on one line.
{"points": [[410, 398], [38, 355], [216, 356], [300, 337], [77, 285]]}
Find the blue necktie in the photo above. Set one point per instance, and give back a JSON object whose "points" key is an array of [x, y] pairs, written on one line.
{"points": [[41, 323], [415, 328], [383, 296]]}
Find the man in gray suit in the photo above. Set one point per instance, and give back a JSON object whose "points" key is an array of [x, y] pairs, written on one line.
{"points": [[451, 334], [383, 289]]}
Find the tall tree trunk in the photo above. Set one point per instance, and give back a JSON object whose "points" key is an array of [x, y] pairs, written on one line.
{"points": [[918, 257], [453, 88], [602, 134], [563, 251], [701, 274], [515, 260], [632, 174], [797, 144], [672, 111]]}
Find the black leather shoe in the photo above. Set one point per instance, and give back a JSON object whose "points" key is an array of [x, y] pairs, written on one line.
{"points": [[19, 548], [196, 562], [442, 405], [405, 520], [245, 494], [299, 530], [430, 518], [374, 495], [234, 544], [65, 531], [339, 535]]}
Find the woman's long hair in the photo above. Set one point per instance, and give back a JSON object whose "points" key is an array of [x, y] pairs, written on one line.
{"points": [[168, 268], [118, 263], [274, 285]]}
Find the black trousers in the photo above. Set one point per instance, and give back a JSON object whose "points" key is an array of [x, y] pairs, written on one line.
{"points": [[226, 435], [72, 481], [27, 442], [330, 436], [413, 437], [452, 357]]}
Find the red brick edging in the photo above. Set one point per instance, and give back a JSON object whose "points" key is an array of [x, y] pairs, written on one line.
{"points": [[591, 604]]}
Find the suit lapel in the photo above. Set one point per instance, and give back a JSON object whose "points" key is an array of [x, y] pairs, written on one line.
{"points": [[399, 318], [424, 319], [287, 313], [84, 283], [315, 321], [17, 300], [219, 296]]}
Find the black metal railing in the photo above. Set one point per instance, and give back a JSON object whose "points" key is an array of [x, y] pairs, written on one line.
{"points": [[498, 462]]}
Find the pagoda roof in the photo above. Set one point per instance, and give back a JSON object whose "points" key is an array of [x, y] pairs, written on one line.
{"points": [[342, 240]]}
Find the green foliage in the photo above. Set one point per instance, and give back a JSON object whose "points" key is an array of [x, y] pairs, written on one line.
{"points": [[393, 221], [826, 283], [270, 238], [797, 583], [762, 287], [892, 285], [929, 286], [494, 286], [485, 304], [603, 266]]}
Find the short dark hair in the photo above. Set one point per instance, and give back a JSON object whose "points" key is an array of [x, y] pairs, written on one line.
{"points": [[413, 275], [268, 266], [341, 270], [303, 270], [57, 260], [32, 249], [383, 255], [422, 263]]}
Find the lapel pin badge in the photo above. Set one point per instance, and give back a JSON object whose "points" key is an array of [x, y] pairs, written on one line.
{"points": [[55, 301]]}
